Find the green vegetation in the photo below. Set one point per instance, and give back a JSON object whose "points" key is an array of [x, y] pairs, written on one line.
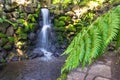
{"points": [[91, 42]]}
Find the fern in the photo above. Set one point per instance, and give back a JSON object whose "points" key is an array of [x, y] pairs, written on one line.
{"points": [[92, 41]]}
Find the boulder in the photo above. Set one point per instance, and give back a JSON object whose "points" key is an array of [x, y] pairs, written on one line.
{"points": [[4, 41], [8, 46], [3, 27], [37, 53], [10, 31], [32, 36], [15, 14], [2, 55], [10, 7], [29, 9]]}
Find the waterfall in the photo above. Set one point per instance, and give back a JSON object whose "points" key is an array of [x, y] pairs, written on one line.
{"points": [[45, 31], [44, 35]]}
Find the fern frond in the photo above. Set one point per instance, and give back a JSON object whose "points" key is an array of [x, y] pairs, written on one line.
{"points": [[118, 40], [91, 42]]}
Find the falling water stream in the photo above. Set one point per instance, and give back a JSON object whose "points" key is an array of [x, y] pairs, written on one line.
{"points": [[44, 35]]}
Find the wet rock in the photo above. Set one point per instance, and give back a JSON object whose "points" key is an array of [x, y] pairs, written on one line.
{"points": [[15, 58], [37, 53], [56, 54], [10, 31], [3, 54], [29, 9], [63, 46], [32, 36]]}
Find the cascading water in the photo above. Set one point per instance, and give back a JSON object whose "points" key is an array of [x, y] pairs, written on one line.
{"points": [[44, 36], [45, 31]]}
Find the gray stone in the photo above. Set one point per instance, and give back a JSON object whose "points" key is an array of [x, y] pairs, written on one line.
{"points": [[10, 7], [15, 14], [100, 70], [3, 27], [100, 78], [32, 36], [7, 7], [82, 70], [76, 76], [90, 77], [29, 9], [36, 53], [10, 31]]}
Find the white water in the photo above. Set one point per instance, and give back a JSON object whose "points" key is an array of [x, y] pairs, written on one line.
{"points": [[44, 35]]}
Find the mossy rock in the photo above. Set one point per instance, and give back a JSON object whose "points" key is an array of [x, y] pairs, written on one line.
{"points": [[59, 24], [2, 35], [4, 41], [23, 36], [70, 27], [11, 40], [23, 15], [19, 30], [60, 29], [65, 18], [56, 21], [8, 46]]}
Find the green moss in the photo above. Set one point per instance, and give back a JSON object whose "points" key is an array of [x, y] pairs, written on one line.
{"points": [[19, 30], [22, 36], [61, 29], [61, 23], [7, 47], [4, 41], [71, 27], [11, 39], [2, 35], [64, 18]]}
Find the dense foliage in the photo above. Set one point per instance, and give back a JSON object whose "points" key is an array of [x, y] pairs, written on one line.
{"points": [[92, 41]]}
